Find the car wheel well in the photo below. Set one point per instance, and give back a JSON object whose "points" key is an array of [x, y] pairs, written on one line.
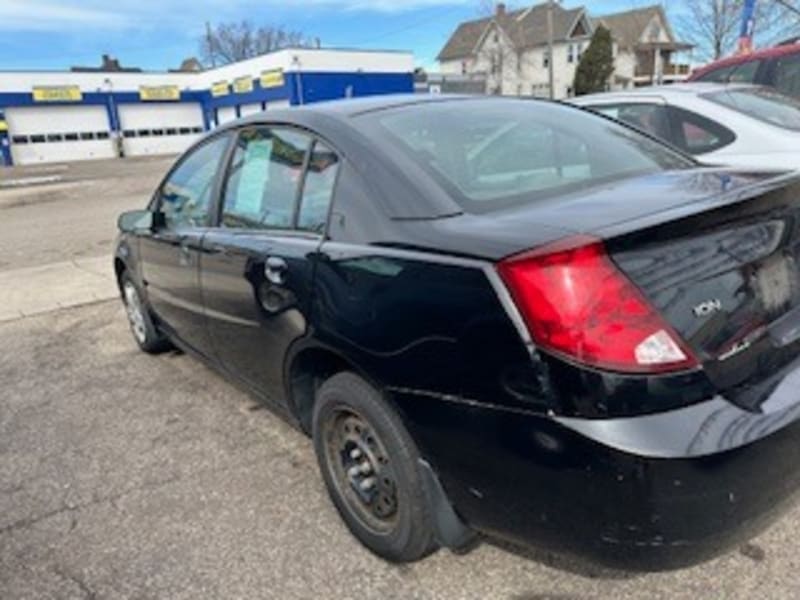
{"points": [[308, 371]]}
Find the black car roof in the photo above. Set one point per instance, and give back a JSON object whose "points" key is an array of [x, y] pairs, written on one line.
{"points": [[356, 106]]}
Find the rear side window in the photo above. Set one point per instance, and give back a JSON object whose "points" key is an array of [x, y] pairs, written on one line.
{"points": [[323, 165], [650, 118], [787, 75], [489, 154], [764, 104], [264, 178], [696, 134]]}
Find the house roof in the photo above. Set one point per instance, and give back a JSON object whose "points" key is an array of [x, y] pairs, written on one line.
{"points": [[525, 28], [629, 26]]}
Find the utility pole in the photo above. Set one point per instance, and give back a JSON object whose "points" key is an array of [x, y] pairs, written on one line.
{"points": [[550, 72]]}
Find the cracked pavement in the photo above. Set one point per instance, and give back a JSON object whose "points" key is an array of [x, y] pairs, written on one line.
{"points": [[124, 475]]}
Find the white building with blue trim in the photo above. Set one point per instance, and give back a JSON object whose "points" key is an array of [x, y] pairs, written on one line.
{"points": [[64, 116]]}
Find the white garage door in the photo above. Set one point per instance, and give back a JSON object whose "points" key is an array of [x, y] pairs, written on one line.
{"points": [[58, 133], [277, 104], [160, 128], [225, 114], [250, 109]]}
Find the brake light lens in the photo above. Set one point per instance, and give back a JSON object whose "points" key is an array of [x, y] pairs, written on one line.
{"points": [[577, 303]]}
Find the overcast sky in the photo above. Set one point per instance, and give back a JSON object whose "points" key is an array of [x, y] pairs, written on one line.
{"points": [[158, 34]]}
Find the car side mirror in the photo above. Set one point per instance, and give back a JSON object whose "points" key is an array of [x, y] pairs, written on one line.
{"points": [[139, 221]]}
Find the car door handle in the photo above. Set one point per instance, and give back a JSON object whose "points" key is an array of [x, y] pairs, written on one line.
{"points": [[218, 249], [185, 257], [275, 269]]}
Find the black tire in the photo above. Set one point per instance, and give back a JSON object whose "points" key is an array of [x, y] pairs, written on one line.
{"points": [[145, 333], [404, 535]]}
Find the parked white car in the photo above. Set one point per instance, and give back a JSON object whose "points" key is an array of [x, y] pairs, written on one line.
{"points": [[738, 125]]}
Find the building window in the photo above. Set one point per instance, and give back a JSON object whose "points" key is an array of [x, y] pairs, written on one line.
{"points": [[463, 67], [571, 53], [546, 59]]}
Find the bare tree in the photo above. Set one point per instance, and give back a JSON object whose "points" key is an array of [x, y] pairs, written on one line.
{"points": [[781, 21], [231, 42], [713, 25]]}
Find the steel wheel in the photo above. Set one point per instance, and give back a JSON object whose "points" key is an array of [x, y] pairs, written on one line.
{"points": [[370, 466], [361, 469], [133, 307]]}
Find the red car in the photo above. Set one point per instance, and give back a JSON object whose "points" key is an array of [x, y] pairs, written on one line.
{"points": [[777, 67]]}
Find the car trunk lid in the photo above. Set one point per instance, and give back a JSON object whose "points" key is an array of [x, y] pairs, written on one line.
{"points": [[725, 272]]}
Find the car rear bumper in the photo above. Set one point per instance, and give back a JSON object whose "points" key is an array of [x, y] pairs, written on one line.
{"points": [[646, 493]]}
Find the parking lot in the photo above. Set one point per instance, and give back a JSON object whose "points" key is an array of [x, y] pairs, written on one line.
{"points": [[124, 475]]}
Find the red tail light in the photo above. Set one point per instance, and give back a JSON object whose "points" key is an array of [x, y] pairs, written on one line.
{"points": [[577, 303]]}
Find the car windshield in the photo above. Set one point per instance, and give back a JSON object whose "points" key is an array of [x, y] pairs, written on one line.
{"points": [[763, 104], [490, 154]]}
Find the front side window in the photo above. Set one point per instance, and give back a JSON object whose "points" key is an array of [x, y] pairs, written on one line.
{"points": [[764, 104], [185, 197], [264, 178], [787, 75], [494, 154], [720, 75], [320, 179], [745, 73]]}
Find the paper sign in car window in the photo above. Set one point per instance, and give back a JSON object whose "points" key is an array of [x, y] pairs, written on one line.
{"points": [[254, 178]]}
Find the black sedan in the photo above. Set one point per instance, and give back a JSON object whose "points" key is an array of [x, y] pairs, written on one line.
{"points": [[493, 316]]}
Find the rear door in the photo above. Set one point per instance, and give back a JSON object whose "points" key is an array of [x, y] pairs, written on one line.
{"points": [[170, 255], [258, 263]]}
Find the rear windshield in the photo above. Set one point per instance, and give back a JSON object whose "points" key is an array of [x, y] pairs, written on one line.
{"points": [[763, 104], [489, 154]]}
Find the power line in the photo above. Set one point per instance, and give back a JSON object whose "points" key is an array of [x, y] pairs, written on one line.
{"points": [[410, 26]]}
